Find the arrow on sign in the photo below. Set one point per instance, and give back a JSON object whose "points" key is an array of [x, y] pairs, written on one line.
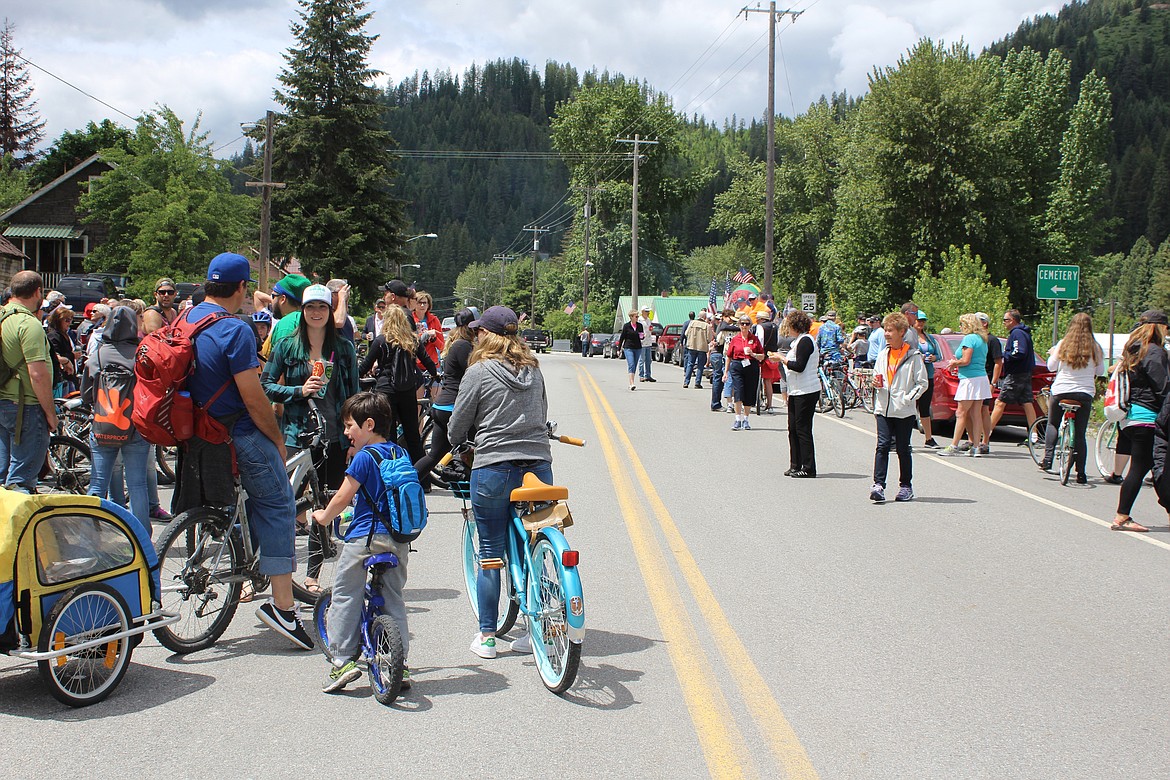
{"points": [[1058, 289]]}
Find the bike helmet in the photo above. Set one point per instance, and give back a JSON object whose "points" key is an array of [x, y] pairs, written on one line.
{"points": [[263, 315]]}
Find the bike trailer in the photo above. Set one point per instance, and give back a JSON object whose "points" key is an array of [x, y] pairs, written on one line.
{"points": [[79, 584]]}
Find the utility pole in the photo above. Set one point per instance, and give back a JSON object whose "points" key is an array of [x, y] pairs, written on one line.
{"points": [[502, 259], [536, 231], [637, 141], [588, 214], [770, 197], [265, 201]]}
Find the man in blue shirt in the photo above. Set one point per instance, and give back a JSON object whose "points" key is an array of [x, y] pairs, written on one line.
{"points": [[227, 365], [829, 340]]}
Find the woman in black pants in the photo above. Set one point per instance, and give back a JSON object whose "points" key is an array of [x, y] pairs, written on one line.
{"points": [[804, 390], [395, 352], [1145, 362], [1077, 360], [456, 352]]}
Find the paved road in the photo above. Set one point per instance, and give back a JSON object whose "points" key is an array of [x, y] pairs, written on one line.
{"points": [[740, 624]]}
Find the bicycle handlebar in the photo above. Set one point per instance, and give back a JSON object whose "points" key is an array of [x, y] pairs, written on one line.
{"points": [[571, 440]]}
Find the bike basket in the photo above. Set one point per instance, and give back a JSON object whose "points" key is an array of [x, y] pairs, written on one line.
{"points": [[556, 515], [461, 490]]}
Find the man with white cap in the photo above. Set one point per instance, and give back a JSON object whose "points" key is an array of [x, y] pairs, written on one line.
{"points": [[754, 307], [648, 340]]}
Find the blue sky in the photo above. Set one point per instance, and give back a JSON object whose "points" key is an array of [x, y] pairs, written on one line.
{"points": [[222, 57]]}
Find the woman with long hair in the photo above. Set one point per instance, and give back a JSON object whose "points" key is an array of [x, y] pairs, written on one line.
{"points": [[1144, 361], [395, 353], [1077, 360], [502, 399], [928, 346], [289, 378], [456, 356], [61, 346], [974, 386]]}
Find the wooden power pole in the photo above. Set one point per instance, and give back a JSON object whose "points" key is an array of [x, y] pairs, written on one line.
{"points": [[637, 141], [266, 186]]}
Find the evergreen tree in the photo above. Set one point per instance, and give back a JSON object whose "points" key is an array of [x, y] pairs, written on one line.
{"points": [[337, 213], [21, 127]]}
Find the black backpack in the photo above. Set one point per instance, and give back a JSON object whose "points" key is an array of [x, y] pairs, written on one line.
{"points": [[399, 365]]}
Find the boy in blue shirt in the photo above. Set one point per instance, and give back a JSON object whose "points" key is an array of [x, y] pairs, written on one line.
{"points": [[368, 422]]}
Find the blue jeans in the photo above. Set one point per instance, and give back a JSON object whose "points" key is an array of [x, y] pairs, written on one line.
{"points": [[270, 504], [632, 357], [21, 464], [716, 378], [647, 359], [491, 489], [136, 457], [117, 491], [585, 343], [695, 361]]}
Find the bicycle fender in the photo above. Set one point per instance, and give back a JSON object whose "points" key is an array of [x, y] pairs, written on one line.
{"points": [[574, 596]]}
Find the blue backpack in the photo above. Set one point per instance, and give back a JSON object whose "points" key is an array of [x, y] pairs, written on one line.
{"points": [[402, 506]]}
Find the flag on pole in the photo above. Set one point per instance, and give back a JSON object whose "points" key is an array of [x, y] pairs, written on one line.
{"points": [[744, 276], [788, 308], [711, 295], [727, 290], [572, 307]]}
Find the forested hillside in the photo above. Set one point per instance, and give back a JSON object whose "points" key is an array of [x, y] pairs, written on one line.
{"points": [[1128, 43]]}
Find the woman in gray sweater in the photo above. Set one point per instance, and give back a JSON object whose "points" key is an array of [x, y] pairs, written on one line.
{"points": [[502, 399]]}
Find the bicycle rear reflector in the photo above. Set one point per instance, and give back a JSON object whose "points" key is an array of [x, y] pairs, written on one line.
{"points": [[570, 557]]}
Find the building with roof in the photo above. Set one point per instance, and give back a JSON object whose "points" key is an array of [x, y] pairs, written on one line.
{"points": [[11, 260], [664, 309], [47, 229]]}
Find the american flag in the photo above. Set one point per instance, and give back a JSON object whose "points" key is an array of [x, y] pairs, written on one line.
{"points": [[727, 290], [572, 307], [744, 276], [711, 295]]}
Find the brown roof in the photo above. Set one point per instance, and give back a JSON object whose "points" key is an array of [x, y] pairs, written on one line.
{"points": [[9, 249]]}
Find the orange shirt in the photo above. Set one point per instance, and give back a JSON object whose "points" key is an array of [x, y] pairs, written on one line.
{"points": [[895, 357]]}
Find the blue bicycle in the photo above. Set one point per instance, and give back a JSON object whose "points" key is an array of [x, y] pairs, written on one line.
{"points": [[381, 641], [540, 577]]}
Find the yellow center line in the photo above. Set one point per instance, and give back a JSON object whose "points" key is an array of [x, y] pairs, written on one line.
{"points": [[1019, 491], [766, 712], [719, 738]]}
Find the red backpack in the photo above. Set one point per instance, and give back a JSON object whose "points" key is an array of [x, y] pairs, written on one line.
{"points": [[164, 412]]}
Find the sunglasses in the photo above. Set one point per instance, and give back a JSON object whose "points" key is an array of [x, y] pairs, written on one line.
{"points": [[164, 292]]}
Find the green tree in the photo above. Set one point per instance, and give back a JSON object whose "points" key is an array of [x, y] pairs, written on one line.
{"points": [[961, 286], [337, 214], [21, 127], [167, 204], [76, 146], [14, 186]]}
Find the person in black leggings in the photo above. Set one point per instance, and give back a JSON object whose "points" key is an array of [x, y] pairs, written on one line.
{"points": [[456, 352], [394, 353]]}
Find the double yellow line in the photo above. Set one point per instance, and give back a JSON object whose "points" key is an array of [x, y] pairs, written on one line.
{"points": [[719, 736]]}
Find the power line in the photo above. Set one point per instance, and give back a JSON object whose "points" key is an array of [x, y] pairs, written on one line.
{"points": [[74, 86]]}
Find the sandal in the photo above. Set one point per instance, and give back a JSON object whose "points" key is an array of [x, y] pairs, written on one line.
{"points": [[247, 593], [312, 586], [1128, 524]]}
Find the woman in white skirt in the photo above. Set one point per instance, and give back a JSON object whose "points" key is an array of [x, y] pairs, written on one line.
{"points": [[974, 387]]}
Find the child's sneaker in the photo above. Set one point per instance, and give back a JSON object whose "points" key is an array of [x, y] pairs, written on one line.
{"points": [[484, 648], [877, 494], [735, 426], [746, 426], [905, 493], [286, 623], [341, 676], [523, 644]]}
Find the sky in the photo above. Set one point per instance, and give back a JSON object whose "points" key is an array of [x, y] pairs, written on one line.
{"points": [[222, 57]]}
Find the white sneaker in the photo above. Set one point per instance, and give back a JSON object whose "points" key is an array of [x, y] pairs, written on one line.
{"points": [[523, 644], [484, 648]]}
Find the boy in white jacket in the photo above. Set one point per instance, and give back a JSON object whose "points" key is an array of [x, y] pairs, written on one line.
{"points": [[900, 378]]}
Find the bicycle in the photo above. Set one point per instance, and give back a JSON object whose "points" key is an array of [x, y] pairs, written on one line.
{"points": [[75, 418], [540, 577], [67, 466], [831, 396], [316, 546], [1106, 447], [858, 389], [381, 641], [1063, 454]]}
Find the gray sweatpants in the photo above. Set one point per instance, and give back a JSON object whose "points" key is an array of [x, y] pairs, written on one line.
{"points": [[349, 582]]}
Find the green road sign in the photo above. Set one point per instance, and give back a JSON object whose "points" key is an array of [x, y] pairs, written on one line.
{"points": [[1058, 282], [587, 318]]}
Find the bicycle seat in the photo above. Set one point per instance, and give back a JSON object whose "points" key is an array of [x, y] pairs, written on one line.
{"points": [[1070, 405], [534, 489], [386, 557], [73, 404]]}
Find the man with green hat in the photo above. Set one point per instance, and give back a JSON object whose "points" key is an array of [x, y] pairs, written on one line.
{"points": [[286, 308]]}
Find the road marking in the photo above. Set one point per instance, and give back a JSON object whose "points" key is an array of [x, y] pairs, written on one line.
{"points": [[719, 738], [766, 712], [1021, 492]]}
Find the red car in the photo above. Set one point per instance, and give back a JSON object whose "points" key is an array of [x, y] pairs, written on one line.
{"points": [[943, 406], [668, 338]]}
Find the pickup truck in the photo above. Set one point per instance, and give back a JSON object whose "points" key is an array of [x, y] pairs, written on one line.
{"points": [[537, 340], [666, 350]]}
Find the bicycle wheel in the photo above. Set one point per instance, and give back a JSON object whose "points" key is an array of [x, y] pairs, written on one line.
{"points": [[760, 398], [316, 548], [84, 614], [557, 657], [164, 461], [509, 606], [388, 659], [1036, 433], [201, 569], [1106, 450], [1064, 448], [838, 398], [320, 611], [824, 403], [868, 398], [849, 394], [67, 467]]}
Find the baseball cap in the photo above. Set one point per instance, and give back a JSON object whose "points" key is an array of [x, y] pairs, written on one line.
{"points": [[752, 295], [229, 267], [499, 320], [317, 293], [165, 282], [982, 317], [1154, 317], [89, 308], [645, 308], [399, 288], [831, 314], [873, 318], [921, 314], [292, 286], [464, 317]]}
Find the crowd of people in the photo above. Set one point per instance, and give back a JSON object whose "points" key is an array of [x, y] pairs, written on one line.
{"points": [[264, 379]]}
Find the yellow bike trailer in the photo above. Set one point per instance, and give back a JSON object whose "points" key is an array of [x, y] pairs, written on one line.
{"points": [[79, 586]]}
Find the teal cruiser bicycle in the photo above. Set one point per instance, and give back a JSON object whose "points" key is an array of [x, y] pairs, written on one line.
{"points": [[540, 578]]}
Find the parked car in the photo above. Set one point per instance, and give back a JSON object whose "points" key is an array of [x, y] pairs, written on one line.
{"points": [[538, 340], [942, 403], [448, 325], [613, 348], [668, 339], [186, 289], [82, 290], [598, 343]]}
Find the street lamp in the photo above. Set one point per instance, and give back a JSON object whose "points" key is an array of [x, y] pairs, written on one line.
{"points": [[398, 268], [424, 235]]}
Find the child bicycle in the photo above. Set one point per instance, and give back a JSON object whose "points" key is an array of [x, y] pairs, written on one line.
{"points": [[542, 580], [381, 642]]}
